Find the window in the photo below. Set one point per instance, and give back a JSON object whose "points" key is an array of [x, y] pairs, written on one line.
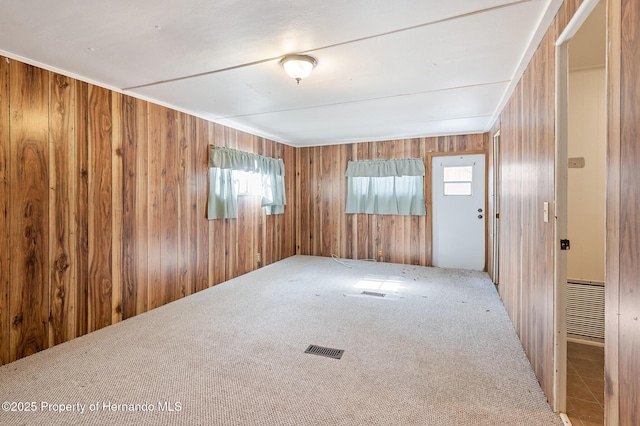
{"points": [[458, 180], [247, 183], [233, 173], [386, 187]]}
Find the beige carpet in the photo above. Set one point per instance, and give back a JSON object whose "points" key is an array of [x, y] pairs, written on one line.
{"points": [[438, 349]]}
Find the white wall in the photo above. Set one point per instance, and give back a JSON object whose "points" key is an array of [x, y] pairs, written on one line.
{"points": [[586, 198]]}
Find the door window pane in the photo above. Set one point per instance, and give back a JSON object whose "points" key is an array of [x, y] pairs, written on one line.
{"points": [[457, 188], [458, 180], [458, 174]]}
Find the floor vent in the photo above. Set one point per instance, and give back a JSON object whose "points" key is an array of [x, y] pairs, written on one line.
{"points": [[322, 351], [373, 293]]}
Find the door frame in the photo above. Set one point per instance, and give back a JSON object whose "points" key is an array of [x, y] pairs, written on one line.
{"points": [[429, 195], [495, 268], [561, 193]]}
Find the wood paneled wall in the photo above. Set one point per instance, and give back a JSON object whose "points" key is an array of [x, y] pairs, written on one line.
{"points": [[526, 242], [104, 209], [622, 298], [324, 228]]}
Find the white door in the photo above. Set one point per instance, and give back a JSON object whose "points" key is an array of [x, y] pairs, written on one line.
{"points": [[458, 211]]}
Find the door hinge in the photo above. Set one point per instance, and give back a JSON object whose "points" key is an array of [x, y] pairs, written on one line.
{"points": [[565, 245]]}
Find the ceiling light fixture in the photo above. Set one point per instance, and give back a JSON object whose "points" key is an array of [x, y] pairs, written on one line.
{"points": [[298, 66]]}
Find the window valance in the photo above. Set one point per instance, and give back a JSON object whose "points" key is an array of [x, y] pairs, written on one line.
{"points": [[385, 168], [229, 158]]}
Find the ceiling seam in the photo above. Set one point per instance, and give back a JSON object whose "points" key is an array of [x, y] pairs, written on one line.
{"points": [[366, 100], [357, 40]]}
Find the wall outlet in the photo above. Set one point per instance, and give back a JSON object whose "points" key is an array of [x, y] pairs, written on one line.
{"points": [[258, 258], [380, 252]]}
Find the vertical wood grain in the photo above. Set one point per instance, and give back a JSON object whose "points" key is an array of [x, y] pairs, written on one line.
{"points": [[117, 200], [5, 179], [62, 215], [629, 217], [613, 193], [29, 210], [100, 209], [141, 226], [168, 207], [154, 216], [185, 204], [129, 208], [82, 207], [537, 187], [202, 187]]}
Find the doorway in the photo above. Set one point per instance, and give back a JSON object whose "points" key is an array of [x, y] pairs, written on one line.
{"points": [[458, 211], [580, 203]]}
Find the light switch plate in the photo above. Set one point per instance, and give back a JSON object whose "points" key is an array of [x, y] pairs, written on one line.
{"points": [[546, 212]]}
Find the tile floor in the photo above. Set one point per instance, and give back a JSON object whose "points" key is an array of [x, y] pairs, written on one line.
{"points": [[585, 384]]}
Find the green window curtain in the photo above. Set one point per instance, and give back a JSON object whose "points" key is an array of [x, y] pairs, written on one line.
{"points": [[393, 187], [273, 196], [224, 163]]}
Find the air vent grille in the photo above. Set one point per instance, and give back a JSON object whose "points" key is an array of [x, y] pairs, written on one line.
{"points": [[373, 293], [322, 351]]}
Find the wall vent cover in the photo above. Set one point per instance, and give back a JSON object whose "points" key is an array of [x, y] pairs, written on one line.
{"points": [[373, 293], [322, 351]]}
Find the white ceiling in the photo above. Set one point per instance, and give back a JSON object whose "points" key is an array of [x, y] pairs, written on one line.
{"points": [[386, 69]]}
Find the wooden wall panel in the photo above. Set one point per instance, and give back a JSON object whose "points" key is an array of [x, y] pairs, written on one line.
{"points": [[154, 194], [623, 373], [5, 178], [62, 212], [203, 276], [106, 200], [510, 248], [81, 204], [29, 210], [117, 199], [100, 209], [324, 228], [186, 207], [168, 208], [537, 188], [129, 243]]}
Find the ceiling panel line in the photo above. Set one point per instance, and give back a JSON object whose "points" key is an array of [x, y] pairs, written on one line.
{"points": [[470, 86], [357, 40]]}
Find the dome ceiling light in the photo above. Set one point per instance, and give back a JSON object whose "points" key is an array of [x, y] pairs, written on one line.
{"points": [[298, 66]]}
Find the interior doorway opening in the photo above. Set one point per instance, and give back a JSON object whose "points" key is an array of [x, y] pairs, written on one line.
{"points": [[580, 206]]}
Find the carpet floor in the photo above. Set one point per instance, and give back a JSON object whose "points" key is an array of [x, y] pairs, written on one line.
{"points": [[437, 349]]}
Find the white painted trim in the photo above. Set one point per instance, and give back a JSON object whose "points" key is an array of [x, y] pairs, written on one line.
{"points": [[576, 22], [536, 38], [565, 419], [560, 227], [497, 171]]}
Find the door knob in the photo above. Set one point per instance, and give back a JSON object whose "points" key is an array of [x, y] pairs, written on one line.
{"points": [[479, 216], [479, 210]]}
